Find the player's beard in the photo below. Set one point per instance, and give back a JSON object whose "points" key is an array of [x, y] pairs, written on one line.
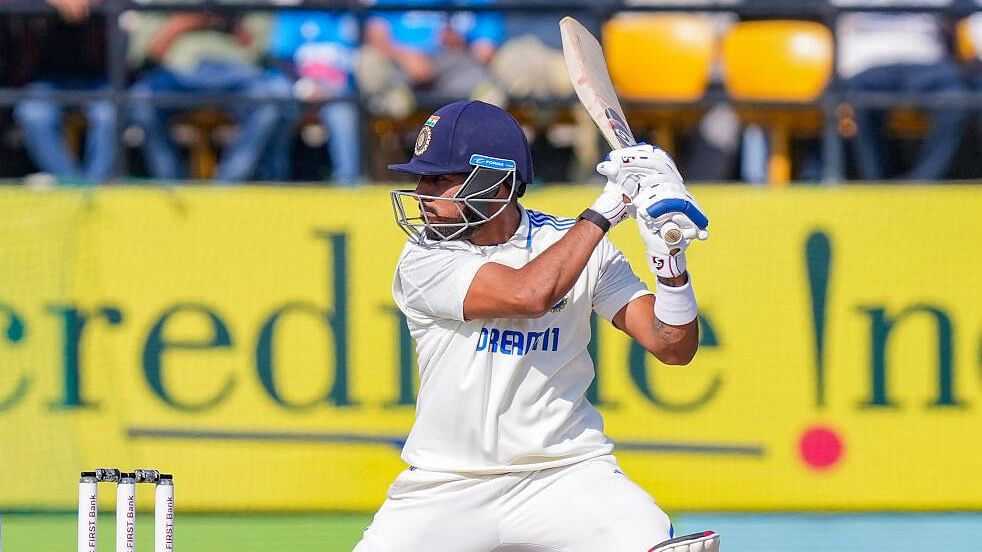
{"points": [[453, 225]]}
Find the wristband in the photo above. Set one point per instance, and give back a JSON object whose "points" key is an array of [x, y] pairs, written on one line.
{"points": [[595, 218], [675, 306]]}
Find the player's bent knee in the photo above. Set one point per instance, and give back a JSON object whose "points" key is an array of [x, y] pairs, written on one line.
{"points": [[705, 541]]}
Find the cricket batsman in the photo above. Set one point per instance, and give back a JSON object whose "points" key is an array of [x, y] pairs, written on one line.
{"points": [[506, 453]]}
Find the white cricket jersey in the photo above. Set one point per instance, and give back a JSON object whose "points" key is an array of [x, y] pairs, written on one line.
{"points": [[502, 395]]}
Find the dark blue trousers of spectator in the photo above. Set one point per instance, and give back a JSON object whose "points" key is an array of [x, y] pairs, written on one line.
{"points": [[944, 137], [256, 121], [341, 118], [343, 125], [42, 120]]}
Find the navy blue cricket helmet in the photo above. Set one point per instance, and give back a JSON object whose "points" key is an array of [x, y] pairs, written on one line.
{"points": [[474, 138]]}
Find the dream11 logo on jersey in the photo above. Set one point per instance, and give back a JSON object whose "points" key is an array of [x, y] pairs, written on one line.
{"points": [[512, 342]]}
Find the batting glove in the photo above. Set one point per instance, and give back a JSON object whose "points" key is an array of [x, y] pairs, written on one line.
{"points": [[649, 177], [669, 219], [610, 208], [638, 167], [672, 203], [665, 260]]}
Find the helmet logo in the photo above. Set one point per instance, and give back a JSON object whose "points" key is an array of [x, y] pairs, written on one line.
{"points": [[423, 140]]}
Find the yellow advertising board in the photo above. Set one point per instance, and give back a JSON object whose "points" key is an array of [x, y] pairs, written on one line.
{"points": [[245, 339]]}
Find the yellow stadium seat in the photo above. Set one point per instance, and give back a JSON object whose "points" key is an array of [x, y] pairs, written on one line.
{"points": [[781, 62], [964, 44], [660, 58]]}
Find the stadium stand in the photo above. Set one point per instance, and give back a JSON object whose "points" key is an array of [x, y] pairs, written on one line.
{"points": [[812, 104], [787, 63], [661, 59]]}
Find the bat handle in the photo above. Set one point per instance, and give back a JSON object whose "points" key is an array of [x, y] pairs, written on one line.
{"points": [[671, 233]]}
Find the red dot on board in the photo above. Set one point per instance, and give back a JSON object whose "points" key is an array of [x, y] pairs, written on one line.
{"points": [[820, 447]]}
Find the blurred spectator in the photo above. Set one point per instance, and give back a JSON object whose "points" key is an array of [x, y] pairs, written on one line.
{"points": [[204, 52], [900, 53], [64, 53], [440, 54], [316, 51], [715, 144], [530, 66]]}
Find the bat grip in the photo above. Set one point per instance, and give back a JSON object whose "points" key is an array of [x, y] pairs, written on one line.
{"points": [[671, 233]]}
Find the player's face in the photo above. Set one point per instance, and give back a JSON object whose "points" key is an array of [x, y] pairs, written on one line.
{"points": [[437, 211], [442, 213]]}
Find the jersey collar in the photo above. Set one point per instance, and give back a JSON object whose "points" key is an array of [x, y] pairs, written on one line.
{"points": [[523, 236]]}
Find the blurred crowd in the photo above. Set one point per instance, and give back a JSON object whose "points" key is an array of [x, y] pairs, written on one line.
{"points": [[285, 95]]}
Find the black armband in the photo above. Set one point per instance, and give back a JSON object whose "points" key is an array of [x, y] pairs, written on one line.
{"points": [[595, 218]]}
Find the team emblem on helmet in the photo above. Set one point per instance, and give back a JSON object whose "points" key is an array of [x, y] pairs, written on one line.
{"points": [[423, 140]]}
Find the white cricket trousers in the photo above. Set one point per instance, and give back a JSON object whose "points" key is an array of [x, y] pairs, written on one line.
{"points": [[590, 506]]}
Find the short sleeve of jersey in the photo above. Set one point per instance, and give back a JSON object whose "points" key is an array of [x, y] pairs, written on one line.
{"points": [[617, 284], [433, 281]]}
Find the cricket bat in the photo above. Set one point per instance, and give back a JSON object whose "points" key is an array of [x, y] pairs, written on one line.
{"points": [[588, 70]]}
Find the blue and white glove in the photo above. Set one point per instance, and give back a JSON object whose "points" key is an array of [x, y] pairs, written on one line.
{"points": [[664, 259], [640, 166], [668, 216]]}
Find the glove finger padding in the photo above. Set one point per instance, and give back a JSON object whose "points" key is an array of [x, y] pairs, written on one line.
{"points": [[663, 260], [611, 205], [629, 183], [689, 229], [673, 203], [638, 167], [661, 202]]}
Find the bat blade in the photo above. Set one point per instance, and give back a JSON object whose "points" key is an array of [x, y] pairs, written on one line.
{"points": [[588, 71]]}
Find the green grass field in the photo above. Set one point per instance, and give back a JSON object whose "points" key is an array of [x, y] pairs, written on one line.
{"points": [[195, 533], [790, 532]]}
